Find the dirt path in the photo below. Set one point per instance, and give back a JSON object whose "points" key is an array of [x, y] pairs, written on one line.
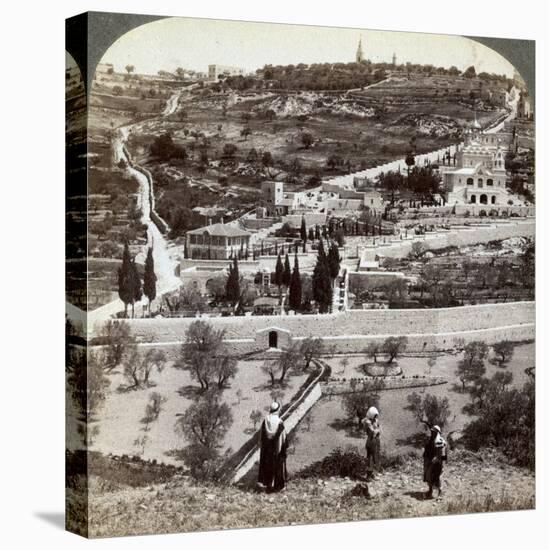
{"points": [[164, 262]]}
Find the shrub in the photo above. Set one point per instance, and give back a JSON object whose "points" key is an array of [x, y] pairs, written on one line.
{"points": [[506, 419], [338, 463]]}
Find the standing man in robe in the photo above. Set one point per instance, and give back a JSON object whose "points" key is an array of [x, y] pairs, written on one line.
{"points": [[272, 454], [373, 442], [434, 455]]}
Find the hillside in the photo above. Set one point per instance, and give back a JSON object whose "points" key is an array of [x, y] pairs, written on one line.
{"points": [[473, 483]]}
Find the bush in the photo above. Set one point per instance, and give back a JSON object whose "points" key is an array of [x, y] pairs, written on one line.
{"points": [[506, 419], [338, 463]]}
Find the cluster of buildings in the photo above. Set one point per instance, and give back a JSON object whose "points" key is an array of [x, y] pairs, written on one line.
{"points": [[331, 200], [221, 241]]}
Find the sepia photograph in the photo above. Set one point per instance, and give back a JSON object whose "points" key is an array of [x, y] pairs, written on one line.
{"points": [[300, 274]]}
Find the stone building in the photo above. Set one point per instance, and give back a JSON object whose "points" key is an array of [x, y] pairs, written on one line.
{"points": [[216, 242], [275, 201], [215, 71], [524, 106], [478, 174]]}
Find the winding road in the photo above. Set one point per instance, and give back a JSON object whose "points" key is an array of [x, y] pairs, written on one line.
{"points": [[164, 263]]}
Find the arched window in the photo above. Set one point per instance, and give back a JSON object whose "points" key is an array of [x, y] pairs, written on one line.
{"points": [[493, 199], [490, 182], [470, 181], [473, 199], [483, 199], [479, 181]]}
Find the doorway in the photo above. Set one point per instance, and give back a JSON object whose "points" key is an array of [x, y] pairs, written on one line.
{"points": [[273, 339]]}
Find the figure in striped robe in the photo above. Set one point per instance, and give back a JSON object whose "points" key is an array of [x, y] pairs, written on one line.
{"points": [[273, 446]]}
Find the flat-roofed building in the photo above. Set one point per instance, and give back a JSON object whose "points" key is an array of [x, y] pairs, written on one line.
{"points": [[215, 71]]}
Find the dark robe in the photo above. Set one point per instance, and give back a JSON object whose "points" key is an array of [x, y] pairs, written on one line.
{"points": [[433, 458], [272, 458]]}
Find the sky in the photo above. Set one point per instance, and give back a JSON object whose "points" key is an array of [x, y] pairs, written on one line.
{"points": [[195, 43]]}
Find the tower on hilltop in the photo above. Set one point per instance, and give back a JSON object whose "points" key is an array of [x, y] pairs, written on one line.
{"points": [[394, 59], [359, 53]]}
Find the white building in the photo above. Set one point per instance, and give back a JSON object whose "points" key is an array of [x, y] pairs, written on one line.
{"points": [[217, 241], [275, 200], [215, 71], [478, 176]]}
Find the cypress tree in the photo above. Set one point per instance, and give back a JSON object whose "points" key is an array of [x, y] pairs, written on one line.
{"points": [[136, 288], [149, 278], [334, 261], [322, 284], [232, 287], [279, 272], [229, 282], [303, 230], [295, 287], [311, 234], [124, 279], [287, 274]]}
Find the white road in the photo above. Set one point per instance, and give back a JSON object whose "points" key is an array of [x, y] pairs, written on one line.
{"points": [[163, 262]]}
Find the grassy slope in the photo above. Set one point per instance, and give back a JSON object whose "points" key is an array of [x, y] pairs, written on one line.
{"points": [[473, 483]]}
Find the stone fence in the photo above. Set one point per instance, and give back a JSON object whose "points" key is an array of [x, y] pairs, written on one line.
{"points": [[395, 247], [297, 410], [157, 220], [352, 331], [338, 387]]}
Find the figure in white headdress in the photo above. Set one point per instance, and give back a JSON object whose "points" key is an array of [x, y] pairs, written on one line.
{"points": [[272, 454]]}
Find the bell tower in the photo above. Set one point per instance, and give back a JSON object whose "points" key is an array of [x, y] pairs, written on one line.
{"points": [[359, 53]]}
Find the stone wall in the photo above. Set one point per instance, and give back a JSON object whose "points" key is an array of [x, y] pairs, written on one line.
{"points": [[459, 236], [209, 269], [290, 422], [258, 223], [352, 331], [474, 210], [338, 387], [311, 219]]}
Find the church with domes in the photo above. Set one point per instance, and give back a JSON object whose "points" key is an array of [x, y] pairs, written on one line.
{"points": [[478, 175]]}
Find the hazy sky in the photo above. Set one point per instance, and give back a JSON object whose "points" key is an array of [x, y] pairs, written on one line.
{"points": [[195, 43]]}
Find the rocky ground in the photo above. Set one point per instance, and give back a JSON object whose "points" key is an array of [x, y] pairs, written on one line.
{"points": [[473, 483]]}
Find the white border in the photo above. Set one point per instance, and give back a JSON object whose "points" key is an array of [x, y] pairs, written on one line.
{"points": [[32, 250]]}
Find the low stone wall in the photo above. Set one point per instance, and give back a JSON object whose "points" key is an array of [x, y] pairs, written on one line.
{"points": [[306, 261], [474, 210], [458, 237], [157, 220], [290, 422], [352, 331], [372, 279], [338, 387], [258, 223], [311, 219]]}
